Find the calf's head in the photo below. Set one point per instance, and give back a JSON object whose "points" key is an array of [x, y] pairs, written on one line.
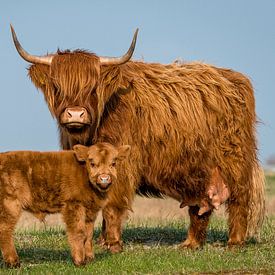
{"points": [[72, 84], [101, 160]]}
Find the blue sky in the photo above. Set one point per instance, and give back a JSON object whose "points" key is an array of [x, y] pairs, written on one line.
{"points": [[234, 34]]}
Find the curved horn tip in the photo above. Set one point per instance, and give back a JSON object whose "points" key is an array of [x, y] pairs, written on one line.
{"points": [[123, 59], [135, 37], [13, 33], [25, 55], [136, 32]]}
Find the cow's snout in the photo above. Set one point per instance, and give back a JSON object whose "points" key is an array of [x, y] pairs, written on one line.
{"points": [[104, 181], [75, 117], [75, 114]]}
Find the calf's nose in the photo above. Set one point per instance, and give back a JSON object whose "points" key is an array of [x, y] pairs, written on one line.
{"points": [[104, 179]]}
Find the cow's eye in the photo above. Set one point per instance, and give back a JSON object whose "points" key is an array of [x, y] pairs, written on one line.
{"points": [[113, 164], [92, 164]]}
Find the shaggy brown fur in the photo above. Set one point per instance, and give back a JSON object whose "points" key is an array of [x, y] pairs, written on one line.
{"points": [[74, 183], [182, 121]]}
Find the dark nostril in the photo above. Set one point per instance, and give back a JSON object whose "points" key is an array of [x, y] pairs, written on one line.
{"points": [[82, 114], [69, 113]]}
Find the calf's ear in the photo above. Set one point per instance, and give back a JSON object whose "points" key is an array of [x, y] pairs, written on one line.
{"points": [[81, 152], [123, 152]]}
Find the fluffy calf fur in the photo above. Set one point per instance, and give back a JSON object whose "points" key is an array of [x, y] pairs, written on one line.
{"points": [[75, 183]]}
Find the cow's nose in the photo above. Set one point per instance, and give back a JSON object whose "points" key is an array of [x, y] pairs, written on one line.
{"points": [[76, 114], [75, 117]]}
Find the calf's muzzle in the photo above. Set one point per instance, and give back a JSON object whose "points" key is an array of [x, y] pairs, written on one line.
{"points": [[104, 181]]}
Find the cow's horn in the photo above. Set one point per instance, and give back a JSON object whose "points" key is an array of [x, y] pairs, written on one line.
{"points": [[28, 57], [123, 59]]}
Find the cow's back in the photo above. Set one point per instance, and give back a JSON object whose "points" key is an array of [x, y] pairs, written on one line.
{"points": [[183, 120]]}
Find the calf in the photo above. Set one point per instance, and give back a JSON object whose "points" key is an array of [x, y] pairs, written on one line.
{"points": [[75, 183]]}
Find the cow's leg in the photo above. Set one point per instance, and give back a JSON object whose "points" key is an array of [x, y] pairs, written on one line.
{"points": [[74, 218], [113, 219], [197, 230], [9, 215], [238, 213], [89, 251]]}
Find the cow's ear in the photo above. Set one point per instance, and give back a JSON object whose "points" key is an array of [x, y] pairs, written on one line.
{"points": [[123, 152], [40, 75], [81, 152]]}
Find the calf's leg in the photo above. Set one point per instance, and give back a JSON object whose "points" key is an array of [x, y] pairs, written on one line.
{"points": [[74, 218], [89, 252], [102, 238], [112, 222], [9, 215]]}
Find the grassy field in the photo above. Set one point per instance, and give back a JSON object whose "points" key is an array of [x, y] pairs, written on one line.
{"points": [[270, 185], [151, 246]]}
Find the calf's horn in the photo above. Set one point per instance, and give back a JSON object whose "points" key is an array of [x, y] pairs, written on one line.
{"points": [[28, 57], [123, 59]]}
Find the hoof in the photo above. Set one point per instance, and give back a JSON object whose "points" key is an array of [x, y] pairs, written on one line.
{"points": [[115, 248], [101, 241], [79, 263], [89, 259], [187, 244], [235, 244], [14, 264]]}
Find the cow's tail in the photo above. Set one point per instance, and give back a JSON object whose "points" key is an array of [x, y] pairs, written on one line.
{"points": [[256, 204]]}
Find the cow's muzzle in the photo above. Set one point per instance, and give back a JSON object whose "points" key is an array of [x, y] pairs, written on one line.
{"points": [[75, 117]]}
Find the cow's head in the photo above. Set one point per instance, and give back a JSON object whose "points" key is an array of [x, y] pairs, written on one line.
{"points": [[73, 86], [101, 160]]}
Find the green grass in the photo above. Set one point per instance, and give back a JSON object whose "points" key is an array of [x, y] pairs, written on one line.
{"points": [[149, 248], [270, 185]]}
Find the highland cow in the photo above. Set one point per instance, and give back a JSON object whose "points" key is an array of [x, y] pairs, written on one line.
{"points": [[181, 120], [75, 183]]}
